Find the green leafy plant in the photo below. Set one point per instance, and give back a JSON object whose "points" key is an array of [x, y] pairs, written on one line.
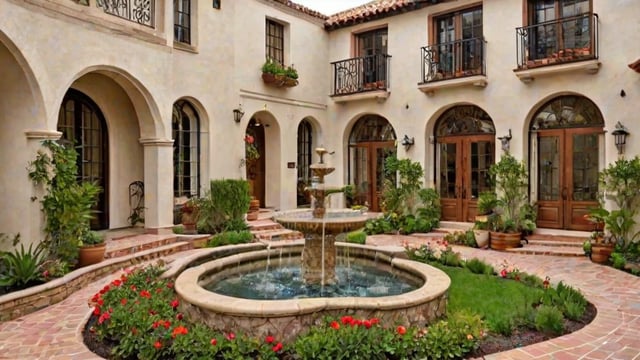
{"points": [[510, 201], [230, 238], [67, 205], [22, 267], [91, 238], [478, 266], [549, 320], [223, 206], [356, 237]]}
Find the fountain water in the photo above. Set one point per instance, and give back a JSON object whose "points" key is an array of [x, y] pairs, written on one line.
{"points": [[290, 315]]}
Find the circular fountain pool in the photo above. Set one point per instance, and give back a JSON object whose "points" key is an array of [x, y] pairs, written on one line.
{"points": [[287, 318]]}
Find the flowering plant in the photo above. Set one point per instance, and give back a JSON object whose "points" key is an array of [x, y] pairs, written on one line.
{"points": [[251, 151]]}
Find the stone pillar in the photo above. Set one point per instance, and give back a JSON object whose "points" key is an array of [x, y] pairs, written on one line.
{"points": [[32, 224], [158, 185], [312, 259]]}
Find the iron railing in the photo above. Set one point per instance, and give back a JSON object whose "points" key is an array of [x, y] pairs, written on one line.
{"points": [[361, 74], [453, 59], [559, 41], [139, 11]]}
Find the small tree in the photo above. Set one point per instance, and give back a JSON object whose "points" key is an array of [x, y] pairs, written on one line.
{"points": [[224, 206]]}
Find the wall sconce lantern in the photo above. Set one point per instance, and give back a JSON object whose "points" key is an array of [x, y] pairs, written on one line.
{"points": [[407, 142], [505, 140], [237, 114], [620, 136]]}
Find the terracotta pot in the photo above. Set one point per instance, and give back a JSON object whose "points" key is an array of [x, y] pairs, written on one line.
{"points": [[91, 254], [503, 241], [600, 253]]}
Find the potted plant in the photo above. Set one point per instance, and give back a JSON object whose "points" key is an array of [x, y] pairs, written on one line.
{"points": [[509, 203], [291, 76], [270, 69], [189, 215], [91, 248]]}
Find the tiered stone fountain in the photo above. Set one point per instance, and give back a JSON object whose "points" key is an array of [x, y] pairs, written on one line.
{"points": [[320, 229], [400, 292]]}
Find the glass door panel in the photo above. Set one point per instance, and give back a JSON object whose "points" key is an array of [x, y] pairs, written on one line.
{"points": [[361, 175], [450, 178]]}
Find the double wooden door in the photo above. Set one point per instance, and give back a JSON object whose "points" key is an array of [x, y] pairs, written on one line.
{"points": [[567, 184], [463, 164]]}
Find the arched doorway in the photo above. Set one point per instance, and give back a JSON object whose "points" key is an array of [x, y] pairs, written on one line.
{"points": [[372, 140], [185, 128], [255, 168], [305, 142], [465, 149], [566, 138], [82, 123]]}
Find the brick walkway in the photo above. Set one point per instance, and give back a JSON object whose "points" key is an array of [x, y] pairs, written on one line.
{"points": [[54, 332]]}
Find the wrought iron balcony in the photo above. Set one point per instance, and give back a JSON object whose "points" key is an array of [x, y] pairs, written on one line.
{"points": [[557, 42], [455, 59], [360, 74], [141, 12]]}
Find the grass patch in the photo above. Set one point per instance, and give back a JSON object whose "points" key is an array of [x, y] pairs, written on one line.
{"points": [[502, 303]]}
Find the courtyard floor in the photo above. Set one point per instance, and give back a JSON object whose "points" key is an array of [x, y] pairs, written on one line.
{"points": [[55, 332]]}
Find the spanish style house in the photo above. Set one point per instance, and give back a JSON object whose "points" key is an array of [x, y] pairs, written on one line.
{"points": [[159, 95]]}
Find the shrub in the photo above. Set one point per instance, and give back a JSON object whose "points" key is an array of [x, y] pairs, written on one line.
{"points": [[357, 237], [230, 238], [478, 266], [22, 267], [223, 206], [549, 320]]}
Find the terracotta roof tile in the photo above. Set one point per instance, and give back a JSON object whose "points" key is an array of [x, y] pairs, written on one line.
{"points": [[635, 66], [373, 10], [302, 9]]}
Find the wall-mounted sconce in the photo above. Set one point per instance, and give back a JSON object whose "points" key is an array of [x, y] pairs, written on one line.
{"points": [[407, 142], [620, 136], [237, 114], [505, 140]]}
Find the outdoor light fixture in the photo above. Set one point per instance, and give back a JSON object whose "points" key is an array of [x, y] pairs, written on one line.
{"points": [[505, 140], [620, 136], [407, 142], [237, 114]]}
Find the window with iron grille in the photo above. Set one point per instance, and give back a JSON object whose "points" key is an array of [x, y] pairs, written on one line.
{"points": [[182, 21], [458, 41], [274, 41], [185, 127], [304, 159]]}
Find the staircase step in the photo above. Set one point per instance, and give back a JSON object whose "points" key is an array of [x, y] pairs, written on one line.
{"points": [[132, 244], [530, 249], [552, 243]]}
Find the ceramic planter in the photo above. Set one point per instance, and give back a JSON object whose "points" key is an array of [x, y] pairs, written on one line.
{"points": [[91, 254]]}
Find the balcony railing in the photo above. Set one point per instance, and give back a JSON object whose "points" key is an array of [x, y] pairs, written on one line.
{"points": [[558, 41], [139, 11], [454, 59], [361, 74]]}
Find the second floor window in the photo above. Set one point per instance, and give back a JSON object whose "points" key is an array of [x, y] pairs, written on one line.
{"points": [[557, 25], [458, 40], [274, 41], [372, 48], [182, 21]]}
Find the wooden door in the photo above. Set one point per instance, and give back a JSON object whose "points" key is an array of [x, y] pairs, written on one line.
{"points": [[369, 158], [464, 164], [568, 165]]}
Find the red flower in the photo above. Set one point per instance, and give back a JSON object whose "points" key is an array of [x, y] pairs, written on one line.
{"points": [[116, 282], [170, 285], [175, 303], [157, 345], [278, 347], [123, 301], [367, 324], [503, 273], [249, 139], [100, 301], [145, 294], [346, 320], [214, 342], [155, 324], [401, 330], [179, 316], [269, 339], [96, 310], [179, 330], [231, 336], [374, 321], [104, 317], [167, 324], [335, 325]]}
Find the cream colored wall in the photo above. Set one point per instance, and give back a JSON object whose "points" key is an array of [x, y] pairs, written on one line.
{"points": [[508, 101]]}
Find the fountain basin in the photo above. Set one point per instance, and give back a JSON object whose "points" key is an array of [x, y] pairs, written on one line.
{"points": [[285, 319], [336, 221]]}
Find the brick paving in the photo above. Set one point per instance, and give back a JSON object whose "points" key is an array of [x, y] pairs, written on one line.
{"points": [[55, 332]]}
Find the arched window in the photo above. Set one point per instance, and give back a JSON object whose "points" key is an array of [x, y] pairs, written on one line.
{"points": [[305, 142], [82, 123], [567, 112], [464, 120], [185, 126]]}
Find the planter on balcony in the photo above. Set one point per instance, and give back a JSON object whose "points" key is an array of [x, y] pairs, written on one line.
{"points": [[278, 80]]}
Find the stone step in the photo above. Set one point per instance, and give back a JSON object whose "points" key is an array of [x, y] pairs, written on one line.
{"points": [[131, 244], [529, 249]]}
